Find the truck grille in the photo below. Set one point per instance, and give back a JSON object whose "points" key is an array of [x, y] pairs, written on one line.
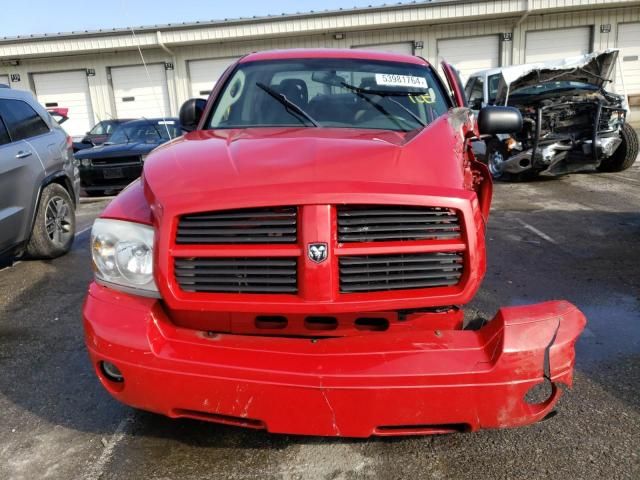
{"points": [[373, 273], [259, 225], [110, 161], [373, 223], [237, 275]]}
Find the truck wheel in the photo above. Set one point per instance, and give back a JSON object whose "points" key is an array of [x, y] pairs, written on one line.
{"points": [[625, 154], [495, 156], [55, 224]]}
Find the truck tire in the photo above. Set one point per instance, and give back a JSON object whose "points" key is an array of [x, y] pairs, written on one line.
{"points": [[625, 154], [55, 224], [495, 154]]}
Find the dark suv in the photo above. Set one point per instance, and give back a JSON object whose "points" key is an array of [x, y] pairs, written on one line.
{"points": [[39, 184]]}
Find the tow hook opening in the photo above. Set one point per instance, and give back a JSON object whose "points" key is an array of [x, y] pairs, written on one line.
{"points": [[372, 324], [111, 372]]}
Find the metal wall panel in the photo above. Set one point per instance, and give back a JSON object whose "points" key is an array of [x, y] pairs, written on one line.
{"points": [[140, 91], [556, 44], [67, 90]]}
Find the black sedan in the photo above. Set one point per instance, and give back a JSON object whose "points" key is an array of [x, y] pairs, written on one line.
{"points": [[112, 166]]}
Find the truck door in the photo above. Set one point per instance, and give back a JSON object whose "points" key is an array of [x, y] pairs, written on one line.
{"points": [[455, 84]]}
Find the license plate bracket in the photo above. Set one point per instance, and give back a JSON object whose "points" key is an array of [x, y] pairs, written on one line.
{"points": [[110, 173]]}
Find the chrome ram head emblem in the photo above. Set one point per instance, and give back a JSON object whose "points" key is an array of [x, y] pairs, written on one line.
{"points": [[317, 252]]}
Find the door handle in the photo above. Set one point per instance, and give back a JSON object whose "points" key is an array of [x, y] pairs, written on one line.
{"points": [[24, 154]]}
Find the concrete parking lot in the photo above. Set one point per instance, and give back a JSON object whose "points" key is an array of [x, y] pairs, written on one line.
{"points": [[575, 238]]}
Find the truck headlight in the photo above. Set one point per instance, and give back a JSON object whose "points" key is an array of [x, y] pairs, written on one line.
{"points": [[122, 255], [86, 162]]}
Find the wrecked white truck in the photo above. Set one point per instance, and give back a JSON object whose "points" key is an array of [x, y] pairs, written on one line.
{"points": [[571, 122]]}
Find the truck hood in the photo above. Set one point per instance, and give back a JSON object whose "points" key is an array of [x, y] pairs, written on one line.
{"points": [[594, 69], [207, 165]]}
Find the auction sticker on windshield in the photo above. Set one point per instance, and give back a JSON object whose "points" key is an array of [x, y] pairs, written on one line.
{"points": [[392, 80]]}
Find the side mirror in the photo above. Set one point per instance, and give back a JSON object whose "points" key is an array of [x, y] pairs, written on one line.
{"points": [[495, 120], [191, 112]]}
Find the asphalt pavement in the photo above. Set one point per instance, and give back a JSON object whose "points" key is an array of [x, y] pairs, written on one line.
{"points": [[574, 238]]}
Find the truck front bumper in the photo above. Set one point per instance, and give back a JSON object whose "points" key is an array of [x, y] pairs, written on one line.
{"points": [[412, 382]]}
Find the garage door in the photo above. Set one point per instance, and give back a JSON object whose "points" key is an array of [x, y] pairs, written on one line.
{"points": [[67, 90], [470, 54], [557, 44], [405, 48], [140, 95], [629, 44], [205, 73], [4, 79]]}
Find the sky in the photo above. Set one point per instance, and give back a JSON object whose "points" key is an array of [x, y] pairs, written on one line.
{"points": [[74, 15]]}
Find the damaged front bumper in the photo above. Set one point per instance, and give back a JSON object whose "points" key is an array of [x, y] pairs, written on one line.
{"points": [[411, 382], [573, 147]]}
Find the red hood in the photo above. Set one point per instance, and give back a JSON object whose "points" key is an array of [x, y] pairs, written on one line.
{"points": [[209, 164]]}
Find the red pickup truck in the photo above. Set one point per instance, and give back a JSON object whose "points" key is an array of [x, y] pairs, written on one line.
{"points": [[297, 261]]}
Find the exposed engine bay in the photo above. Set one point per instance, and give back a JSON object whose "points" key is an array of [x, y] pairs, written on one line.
{"points": [[559, 133]]}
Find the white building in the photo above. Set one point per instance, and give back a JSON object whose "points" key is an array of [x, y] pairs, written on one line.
{"points": [[99, 74]]}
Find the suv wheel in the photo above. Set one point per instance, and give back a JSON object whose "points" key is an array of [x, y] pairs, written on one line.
{"points": [[55, 225]]}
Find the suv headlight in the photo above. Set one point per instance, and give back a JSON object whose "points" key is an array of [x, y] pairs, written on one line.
{"points": [[122, 255]]}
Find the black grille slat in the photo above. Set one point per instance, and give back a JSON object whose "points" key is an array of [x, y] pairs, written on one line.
{"points": [[232, 262], [377, 237], [232, 271], [234, 223], [276, 225], [375, 273], [405, 286], [237, 231], [254, 289], [237, 275], [404, 259], [135, 159], [374, 223], [397, 268], [400, 276]]}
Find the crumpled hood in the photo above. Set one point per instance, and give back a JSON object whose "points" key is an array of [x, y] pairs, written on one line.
{"points": [[122, 149], [206, 164], [595, 69]]}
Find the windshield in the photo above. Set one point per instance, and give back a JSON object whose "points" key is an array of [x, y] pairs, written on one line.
{"points": [[145, 132], [339, 93], [494, 82], [103, 128], [548, 87]]}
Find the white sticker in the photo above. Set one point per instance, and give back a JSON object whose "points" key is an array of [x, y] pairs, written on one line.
{"points": [[167, 122], [392, 80]]}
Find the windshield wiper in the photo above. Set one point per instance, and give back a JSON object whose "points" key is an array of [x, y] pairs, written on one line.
{"points": [[288, 104], [381, 93]]}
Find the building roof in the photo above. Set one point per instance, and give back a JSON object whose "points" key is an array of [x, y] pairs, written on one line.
{"points": [[224, 21]]}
